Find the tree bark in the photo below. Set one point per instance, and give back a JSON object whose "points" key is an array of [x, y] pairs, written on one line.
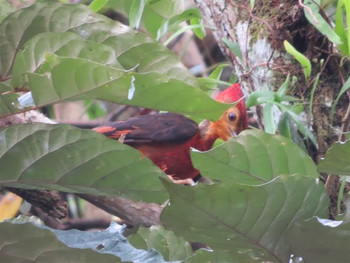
{"points": [[264, 64]]}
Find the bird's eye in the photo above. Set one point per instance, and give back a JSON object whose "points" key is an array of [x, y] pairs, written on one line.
{"points": [[232, 116]]}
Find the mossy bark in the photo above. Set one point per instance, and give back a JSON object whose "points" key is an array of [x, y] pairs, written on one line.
{"points": [[264, 63]]}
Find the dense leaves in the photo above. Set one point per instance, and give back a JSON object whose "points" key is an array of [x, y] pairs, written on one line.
{"points": [[254, 157], [36, 243], [266, 194], [69, 159], [73, 79], [248, 221], [118, 50], [28, 243]]}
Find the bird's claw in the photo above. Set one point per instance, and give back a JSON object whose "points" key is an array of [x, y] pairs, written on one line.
{"points": [[187, 181]]}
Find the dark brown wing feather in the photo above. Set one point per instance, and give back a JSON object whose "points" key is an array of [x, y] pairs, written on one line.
{"points": [[166, 127]]}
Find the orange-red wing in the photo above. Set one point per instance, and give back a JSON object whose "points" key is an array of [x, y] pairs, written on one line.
{"points": [[166, 127]]}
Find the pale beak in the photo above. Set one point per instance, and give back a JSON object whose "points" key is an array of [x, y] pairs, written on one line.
{"points": [[232, 133]]}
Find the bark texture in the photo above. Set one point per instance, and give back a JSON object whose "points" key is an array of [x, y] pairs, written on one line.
{"points": [[264, 64]]}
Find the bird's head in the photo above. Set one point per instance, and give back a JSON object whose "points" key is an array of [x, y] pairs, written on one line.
{"points": [[232, 121], [235, 119]]}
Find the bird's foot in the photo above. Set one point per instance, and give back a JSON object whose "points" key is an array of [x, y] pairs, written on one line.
{"points": [[187, 181]]}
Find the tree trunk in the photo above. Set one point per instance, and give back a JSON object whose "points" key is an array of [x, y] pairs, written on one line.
{"points": [[264, 63]]}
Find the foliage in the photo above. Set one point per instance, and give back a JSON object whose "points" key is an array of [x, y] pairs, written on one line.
{"points": [[304, 61], [340, 35], [281, 100], [26, 239], [75, 160], [42, 73], [265, 189]]}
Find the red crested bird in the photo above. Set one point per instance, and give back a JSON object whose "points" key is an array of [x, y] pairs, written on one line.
{"points": [[166, 138]]}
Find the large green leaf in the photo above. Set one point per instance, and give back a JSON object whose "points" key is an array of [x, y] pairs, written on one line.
{"points": [[319, 240], [337, 159], [155, 13], [72, 79], [247, 222], [41, 17], [28, 243], [311, 11], [254, 157], [9, 104], [61, 157], [37, 243], [5, 9], [57, 17], [165, 242], [64, 44], [129, 50]]}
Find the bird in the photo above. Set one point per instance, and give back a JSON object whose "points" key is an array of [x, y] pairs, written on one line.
{"points": [[167, 138]]}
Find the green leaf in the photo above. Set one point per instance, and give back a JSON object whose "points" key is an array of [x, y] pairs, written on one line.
{"points": [[128, 45], [287, 129], [312, 93], [5, 9], [171, 247], [29, 243], [216, 74], [180, 31], [269, 124], [283, 88], [175, 21], [254, 157], [311, 11], [38, 18], [252, 3], [135, 13], [208, 84], [336, 159], [340, 28], [345, 88], [39, 243], [73, 79], [94, 110], [96, 5], [304, 61], [9, 104], [199, 32], [64, 158], [234, 47], [320, 240], [347, 16], [155, 13], [64, 44], [259, 97], [206, 255], [301, 125], [243, 221], [130, 49]]}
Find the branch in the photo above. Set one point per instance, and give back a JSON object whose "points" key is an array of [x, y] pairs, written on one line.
{"points": [[133, 213], [49, 201]]}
